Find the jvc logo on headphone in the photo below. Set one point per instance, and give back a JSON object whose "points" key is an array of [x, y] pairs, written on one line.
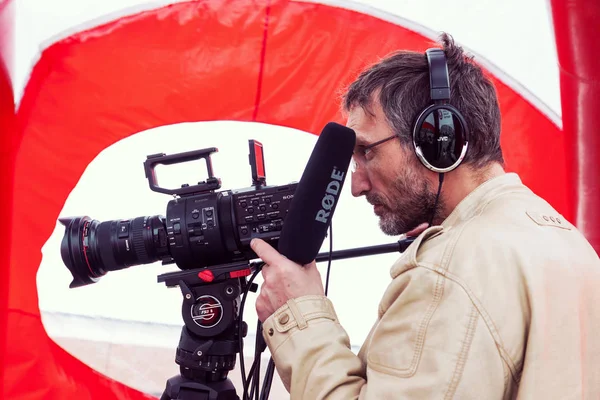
{"points": [[331, 193]]}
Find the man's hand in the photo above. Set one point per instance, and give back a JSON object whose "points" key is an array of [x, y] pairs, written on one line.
{"points": [[283, 279]]}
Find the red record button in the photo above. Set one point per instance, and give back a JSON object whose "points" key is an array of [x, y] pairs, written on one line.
{"points": [[206, 275]]}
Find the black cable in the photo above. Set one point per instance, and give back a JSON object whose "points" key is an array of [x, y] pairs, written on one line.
{"points": [[240, 331], [257, 360], [330, 255], [250, 377], [251, 385], [251, 382], [266, 389], [437, 198]]}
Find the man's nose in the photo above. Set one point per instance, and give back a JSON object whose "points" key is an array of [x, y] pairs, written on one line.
{"points": [[360, 183]]}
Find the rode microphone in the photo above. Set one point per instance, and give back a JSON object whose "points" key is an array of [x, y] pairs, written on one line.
{"points": [[316, 196]]}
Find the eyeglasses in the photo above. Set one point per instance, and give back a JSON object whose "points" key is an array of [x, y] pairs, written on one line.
{"points": [[359, 155]]}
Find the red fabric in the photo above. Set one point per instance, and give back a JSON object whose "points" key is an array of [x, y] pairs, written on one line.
{"points": [[8, 139], [577, 27], [195, 61]]}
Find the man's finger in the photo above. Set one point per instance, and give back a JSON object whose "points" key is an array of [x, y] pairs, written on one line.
{"points": [[265, 251]]}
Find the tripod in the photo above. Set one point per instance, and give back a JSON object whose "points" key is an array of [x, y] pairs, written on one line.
{"points": [[210, 338]]}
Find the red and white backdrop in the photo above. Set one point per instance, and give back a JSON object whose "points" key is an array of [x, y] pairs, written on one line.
{"points": [[90, 77]]}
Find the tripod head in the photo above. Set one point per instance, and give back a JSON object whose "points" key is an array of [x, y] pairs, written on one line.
{"points": [[210, 338]]}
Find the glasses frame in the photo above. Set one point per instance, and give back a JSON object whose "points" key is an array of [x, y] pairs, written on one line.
{"points": [[364, 150]]}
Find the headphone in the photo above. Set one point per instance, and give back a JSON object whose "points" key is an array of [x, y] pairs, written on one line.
{"points": [[440, 132]]}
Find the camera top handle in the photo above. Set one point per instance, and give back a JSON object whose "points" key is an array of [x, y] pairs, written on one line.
{"points": [[212, 183]]}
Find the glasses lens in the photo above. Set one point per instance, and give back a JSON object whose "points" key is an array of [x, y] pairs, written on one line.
{"points": [[441, 138], [353, 164]]}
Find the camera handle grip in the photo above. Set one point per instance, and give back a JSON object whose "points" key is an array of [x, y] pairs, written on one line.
{"points": [[212, 183]]}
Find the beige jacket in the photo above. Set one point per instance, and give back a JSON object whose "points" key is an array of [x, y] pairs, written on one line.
{"points": [[502, 301]]}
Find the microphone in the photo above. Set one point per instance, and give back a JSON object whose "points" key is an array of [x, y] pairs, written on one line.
{"points": [[317, 194]]}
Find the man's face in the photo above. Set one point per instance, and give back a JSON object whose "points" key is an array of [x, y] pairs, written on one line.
{"points": [[390, 176]]}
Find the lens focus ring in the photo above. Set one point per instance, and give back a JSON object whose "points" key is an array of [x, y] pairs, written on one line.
{"points": [[138, 230]]}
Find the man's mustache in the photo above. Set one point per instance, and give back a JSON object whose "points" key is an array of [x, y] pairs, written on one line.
{"points": [[374, 199]]}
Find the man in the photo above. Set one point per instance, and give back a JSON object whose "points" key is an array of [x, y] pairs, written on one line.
{"points": [[498, 298]]}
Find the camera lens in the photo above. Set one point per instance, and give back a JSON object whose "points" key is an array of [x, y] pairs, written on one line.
{"points": [[91, 248]]}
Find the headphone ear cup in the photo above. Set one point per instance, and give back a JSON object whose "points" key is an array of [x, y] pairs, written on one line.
{"points": [[440, 138]]}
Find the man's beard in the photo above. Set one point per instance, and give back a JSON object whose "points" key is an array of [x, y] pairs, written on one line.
{"points": [[412, 201]]}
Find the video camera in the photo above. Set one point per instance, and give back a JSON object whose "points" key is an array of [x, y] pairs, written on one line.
{"points": [[203, 227]]}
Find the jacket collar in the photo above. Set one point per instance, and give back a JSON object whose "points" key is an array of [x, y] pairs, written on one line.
{"points": [[480, 196], [467, 208]]}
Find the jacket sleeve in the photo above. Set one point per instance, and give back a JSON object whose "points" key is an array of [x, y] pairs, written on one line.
{"points": [[428, 342]]}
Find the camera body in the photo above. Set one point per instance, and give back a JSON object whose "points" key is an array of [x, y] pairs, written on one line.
{"points": [[203, 227], [216, 228]]}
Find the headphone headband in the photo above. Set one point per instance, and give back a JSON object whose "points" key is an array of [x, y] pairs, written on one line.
{"points": [[439, 81]]}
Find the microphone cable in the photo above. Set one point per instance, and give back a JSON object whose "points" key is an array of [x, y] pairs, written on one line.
{"points": [[330, 257], [437, 198]]}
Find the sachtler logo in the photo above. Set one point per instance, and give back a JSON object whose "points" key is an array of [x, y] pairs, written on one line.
{"points": [[207, 312]]}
